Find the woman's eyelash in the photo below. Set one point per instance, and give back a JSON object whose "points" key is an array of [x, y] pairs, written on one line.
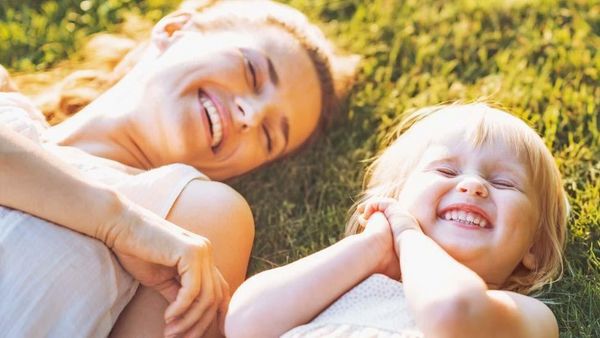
{"points": [[268, 136], [252, 70]]}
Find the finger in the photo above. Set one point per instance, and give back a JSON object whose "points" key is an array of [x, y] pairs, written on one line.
{"points": [[224, 306], [361, 207], [190, 287], [361, 220], [169, 290], [377, 204], [197, 309], [203, 324]]}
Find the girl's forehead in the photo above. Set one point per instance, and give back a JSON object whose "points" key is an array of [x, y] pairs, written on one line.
{"points": [[460, 145]]}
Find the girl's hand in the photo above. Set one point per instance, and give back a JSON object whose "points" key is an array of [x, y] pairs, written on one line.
{"points": [[377, 229], [399, 219], [175, 262]]}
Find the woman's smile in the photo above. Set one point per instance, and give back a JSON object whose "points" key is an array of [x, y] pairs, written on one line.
{"points": [[216, 118]]}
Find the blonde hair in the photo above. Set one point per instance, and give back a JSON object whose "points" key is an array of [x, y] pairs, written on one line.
{"points": [[110, 57], [483, 124]]}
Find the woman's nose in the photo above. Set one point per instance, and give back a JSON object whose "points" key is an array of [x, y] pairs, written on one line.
{"points": [[472, 186], [249, 114]]}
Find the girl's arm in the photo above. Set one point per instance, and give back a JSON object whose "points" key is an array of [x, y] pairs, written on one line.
{"points": [[275, 301], [450, 300]]}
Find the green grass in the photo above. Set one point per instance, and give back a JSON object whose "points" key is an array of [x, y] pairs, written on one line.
{"points": [[538, 58]]}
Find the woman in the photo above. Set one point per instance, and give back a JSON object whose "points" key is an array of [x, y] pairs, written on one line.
{"points": [[217, 91]]}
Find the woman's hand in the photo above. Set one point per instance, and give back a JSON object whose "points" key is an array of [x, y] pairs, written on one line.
{"points": [[175, 262]]}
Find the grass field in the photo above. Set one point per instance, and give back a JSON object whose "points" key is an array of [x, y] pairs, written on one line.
{"points": [[538, 58]]}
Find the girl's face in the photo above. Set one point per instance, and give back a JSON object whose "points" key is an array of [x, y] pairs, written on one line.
{"points": [[226, 101], [476, 203]]}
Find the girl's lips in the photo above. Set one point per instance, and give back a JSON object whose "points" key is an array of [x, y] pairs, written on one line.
{"points": [[466, 215]]}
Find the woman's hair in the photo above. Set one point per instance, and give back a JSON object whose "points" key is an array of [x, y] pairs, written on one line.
{"points": [[483, 125], [110, 57]]}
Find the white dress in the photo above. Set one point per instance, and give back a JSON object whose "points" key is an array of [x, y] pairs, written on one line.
{"points": [[375, 308], [55, 282]]}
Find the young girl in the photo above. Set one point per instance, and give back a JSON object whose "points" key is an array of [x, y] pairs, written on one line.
{"points": [[466, 208]]}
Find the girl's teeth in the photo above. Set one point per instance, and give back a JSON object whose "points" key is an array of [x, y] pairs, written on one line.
{"points": [[465, 217]]}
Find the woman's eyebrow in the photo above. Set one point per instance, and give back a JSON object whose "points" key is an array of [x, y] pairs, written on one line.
{"points": [[272, 73]]}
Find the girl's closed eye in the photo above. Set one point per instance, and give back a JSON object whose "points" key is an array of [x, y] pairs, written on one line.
{"points": [[503, 183], [446, 171]]}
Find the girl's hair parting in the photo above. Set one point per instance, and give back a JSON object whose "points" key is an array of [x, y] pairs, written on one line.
{"points": [[483, 124]]}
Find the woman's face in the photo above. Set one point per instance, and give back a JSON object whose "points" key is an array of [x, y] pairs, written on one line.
{"points": [[226, 101]]}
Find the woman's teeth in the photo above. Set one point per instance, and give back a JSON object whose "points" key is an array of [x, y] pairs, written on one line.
{"points": [[465, 217], [214, 120]]}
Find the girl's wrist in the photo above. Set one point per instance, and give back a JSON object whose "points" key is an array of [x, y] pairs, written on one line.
{"points": [[402, 236], [377, 252]]}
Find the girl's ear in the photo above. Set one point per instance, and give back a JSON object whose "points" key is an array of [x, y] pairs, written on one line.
{"points": [[529, 260], [164, 31]]}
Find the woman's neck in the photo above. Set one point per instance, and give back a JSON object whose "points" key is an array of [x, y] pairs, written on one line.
{"points": [[101, 129]]}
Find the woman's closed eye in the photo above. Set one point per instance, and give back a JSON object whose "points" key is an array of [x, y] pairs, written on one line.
{"points": [[251, 71], [269, 144]]}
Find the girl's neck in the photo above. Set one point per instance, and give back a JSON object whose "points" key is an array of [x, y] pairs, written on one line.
{"points": [[101, 129]]}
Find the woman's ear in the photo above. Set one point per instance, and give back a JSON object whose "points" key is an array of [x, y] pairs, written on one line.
{"points": [[164, 31], [344, 69]]}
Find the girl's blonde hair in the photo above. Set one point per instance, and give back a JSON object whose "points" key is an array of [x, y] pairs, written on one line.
{"points": [[110, 57], [482, 125]]}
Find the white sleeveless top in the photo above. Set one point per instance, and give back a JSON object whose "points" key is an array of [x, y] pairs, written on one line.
{"points": [[375, 308], [55, 282]]}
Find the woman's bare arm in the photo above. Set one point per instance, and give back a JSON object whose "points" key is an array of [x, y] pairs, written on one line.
{"points": [[41, 184], [37, 182]]}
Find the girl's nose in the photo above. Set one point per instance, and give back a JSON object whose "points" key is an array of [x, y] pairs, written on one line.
{"points": [[248, 114], [472, 186]]}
